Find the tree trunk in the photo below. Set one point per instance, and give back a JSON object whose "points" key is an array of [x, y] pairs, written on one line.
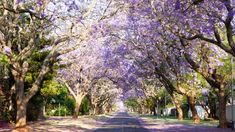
{"points": [[77, 107], [42, 111], [21, 103], [76, 111], [21, 114], [154, 111], [108, 109], [178, 107], [191, 102], [94, 108], [22, 98], [222, 108], [140, 111], [214, 109], [180, 111], [98, 109]]}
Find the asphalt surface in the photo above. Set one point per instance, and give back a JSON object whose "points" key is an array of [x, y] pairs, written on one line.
{"points": [[122, 122]]}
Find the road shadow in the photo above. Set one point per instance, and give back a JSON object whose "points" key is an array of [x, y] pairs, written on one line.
{"points": [[122, 122], [157, 126], [186, 128]]}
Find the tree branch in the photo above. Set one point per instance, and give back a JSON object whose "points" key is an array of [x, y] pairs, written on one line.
{"points": [[70, 90], [20, 11]]}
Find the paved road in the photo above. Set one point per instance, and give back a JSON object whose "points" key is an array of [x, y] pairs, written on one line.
{"points": [[122, 122]]}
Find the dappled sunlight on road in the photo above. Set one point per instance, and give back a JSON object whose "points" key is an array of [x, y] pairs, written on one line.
{"points": [[117, 122], [163, 125], [85, 123], [122, 122]]}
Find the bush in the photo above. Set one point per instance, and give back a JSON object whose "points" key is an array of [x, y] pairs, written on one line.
{"points": [[62, 111]]}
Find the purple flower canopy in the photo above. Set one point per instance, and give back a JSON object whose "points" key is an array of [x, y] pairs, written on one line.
{"points": [[177, 5], [133, 43]]}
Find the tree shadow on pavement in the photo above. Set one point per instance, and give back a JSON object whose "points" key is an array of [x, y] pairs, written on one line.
{"points": [[170, 127]]}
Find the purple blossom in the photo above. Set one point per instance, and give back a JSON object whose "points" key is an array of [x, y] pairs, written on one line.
{"points": [[79, 19], [177, 5], [94, 28], [231, 13], [122, 50], [39, 2], [43, 15], [7, 50], [205, 91], [20, 17], [133, 1], [18, 1], [52, 19], [73, 6], [32, 9]]}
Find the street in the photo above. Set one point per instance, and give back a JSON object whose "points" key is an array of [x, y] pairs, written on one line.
{"points": [[122, 122]]}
